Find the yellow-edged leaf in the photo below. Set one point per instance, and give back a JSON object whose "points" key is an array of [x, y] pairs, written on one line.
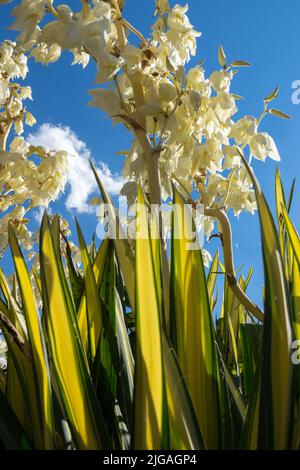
{"points": [[192, 324], [280, 203], [149, 394], [212, 279], [275, 397], [292, 233], [40, 389], [98, 268], [185, 433], [121, 244], [93, 304], [69, 362]]}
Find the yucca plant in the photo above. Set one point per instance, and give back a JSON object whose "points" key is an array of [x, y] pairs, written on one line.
{"points": [[123, 355]]}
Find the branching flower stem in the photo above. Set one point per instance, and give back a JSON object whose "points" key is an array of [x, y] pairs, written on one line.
{"points": [[221, 216], [223, 220], [134, 31], [151, 156], [52, 9], [152, 161], [126, 24]]}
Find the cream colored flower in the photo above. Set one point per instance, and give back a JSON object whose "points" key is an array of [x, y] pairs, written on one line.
{"points": [[216, 187], [209, 156], [15, 107], [232, 157], [108, 66], [107, 100], [80, 57], [6, 51], [262, 145], [166, 90], [18, 144], [243, 130], [29, 119], [196, 79], [4, 92], [221, 80], [133, 59], [18, 126], [28, 14], [25, 93], [178, 21]]}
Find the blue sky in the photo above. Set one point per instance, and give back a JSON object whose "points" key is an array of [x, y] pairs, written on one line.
{"points": [[264, 33]]}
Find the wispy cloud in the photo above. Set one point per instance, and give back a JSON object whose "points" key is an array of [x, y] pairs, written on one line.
{"points": [[81, 180]]}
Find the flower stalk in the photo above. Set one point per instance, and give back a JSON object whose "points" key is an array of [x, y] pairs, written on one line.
{"points": [[226, 237]]}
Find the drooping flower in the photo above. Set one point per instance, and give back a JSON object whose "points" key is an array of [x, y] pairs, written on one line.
{"points": [[262, 145]]}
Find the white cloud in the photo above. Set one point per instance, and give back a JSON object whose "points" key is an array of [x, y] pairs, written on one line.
{"points": [[81, 180]]}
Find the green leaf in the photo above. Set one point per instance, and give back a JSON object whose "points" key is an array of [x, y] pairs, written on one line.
{"points": [[75, 278], [291, 195], [222, 57], [275, 395], [84, 324], [293, 234], [212, 279], [20, 378], [107, 365], [251, 343], [185, 433], [40, 390], [70, 367], [280, 114], [273, 95], [94, 314], [192, 326], [150, 429], [237, 97], [240, 63], [280, 202], [294, 242], [122, 247], [12, 435]]}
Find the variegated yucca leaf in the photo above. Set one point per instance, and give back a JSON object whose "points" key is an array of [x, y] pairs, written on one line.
{"points": [[76, 393], [150, 418], [271, 409], [100, 357], [192, 329]]}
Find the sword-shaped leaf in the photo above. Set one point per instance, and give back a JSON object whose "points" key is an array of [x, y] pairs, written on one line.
{"points": [[192, 323], [275, 395], [39, 391], [150, 429], [122, 247], [94, 312], [68, 358]]}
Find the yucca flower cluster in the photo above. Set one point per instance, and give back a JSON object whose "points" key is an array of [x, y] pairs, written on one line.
{"points": [[26, 183], [181, 121]]}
